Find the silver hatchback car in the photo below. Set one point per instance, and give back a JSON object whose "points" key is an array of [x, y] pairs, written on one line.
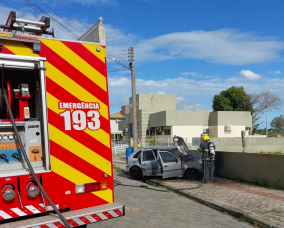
{"points": [[165, 162]]}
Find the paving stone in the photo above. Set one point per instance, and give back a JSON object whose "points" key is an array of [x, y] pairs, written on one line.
{"points": [[238, 196], [146, 208]]}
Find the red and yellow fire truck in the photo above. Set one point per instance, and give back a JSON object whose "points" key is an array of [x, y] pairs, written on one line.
{"points": [[54, 122]]}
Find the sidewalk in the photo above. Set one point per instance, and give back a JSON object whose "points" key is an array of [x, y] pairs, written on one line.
{"points": [[258, 205]]}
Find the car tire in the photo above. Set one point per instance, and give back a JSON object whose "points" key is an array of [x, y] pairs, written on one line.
{"points": [[191, 174], [135, 173]]}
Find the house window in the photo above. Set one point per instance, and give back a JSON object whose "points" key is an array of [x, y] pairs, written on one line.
{"points": [[158, 132], [147, 132], [167, 131]]}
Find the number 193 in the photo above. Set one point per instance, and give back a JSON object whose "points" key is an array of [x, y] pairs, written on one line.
{"points": [[78, 119]]}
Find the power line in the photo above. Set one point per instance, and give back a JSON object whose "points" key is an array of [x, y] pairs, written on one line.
{"points": [[118, 62], [39, 10], [60, 16]]}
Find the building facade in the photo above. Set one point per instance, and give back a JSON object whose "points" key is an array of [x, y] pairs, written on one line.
{"points": [[114, 120], [157, 116]]}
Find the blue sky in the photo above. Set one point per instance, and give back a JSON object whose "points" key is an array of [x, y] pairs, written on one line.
{"points": [[193, 49]]}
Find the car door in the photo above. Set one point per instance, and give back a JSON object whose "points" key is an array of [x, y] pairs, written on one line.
{"points": [[148, 162], [171, 164]]}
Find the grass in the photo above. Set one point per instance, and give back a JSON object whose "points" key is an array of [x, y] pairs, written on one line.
{"points": [[121, 155], [155, 183], [117, 169], [275, 211], [238, 178], [255, 223], [225, 212], [264, 183], [275, 186], [242, 218], [276, 152]]}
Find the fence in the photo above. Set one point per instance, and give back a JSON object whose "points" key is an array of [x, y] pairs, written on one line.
{"points": [[159, 141], [119, 147]]}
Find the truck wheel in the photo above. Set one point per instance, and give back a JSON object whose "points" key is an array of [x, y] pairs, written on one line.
{"points": [[135, 173], [191, 174]]}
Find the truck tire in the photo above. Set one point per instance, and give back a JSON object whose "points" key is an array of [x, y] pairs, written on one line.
{"points": [[135, 173], [191, 174]]}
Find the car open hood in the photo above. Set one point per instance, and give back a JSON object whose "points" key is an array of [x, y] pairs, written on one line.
{"points": [[183, 150], [180, 145]]}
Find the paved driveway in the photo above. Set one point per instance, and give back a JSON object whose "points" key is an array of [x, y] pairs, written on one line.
{"points": [[147, 208]]}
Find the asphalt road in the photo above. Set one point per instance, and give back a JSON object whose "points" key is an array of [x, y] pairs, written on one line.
{"points": [[148, 208]]}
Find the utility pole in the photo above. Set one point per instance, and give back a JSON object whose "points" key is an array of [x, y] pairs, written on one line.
{"points": [[266, 125], [134, 126]]}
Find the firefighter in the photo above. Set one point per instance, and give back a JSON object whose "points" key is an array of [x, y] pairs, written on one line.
{"points": [[207, 149]]}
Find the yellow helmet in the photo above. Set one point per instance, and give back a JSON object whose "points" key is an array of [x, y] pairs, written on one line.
{"points": [[205, 137]]}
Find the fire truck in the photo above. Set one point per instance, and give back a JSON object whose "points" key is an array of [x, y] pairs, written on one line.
{"points": [[55, 144]]}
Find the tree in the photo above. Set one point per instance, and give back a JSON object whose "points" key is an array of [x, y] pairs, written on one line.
{"points": [[232, 99], [263, 102], [278, 124]]}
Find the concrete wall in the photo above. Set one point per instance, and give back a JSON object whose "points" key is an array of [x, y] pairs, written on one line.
{"points": [[220, 131], [180, 118], [239, 121], [187, 132], [158, 119], [253, 144], [159, 102], [257, 168], [114, 127], [230, 118]]}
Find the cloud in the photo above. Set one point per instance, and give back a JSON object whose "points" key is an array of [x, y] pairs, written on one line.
{"points": [[193, 74], [185, 104], [123, 101], [112, 104], [197, 94], [224, 46], [250, 75], [79, 26], [275, 72]]}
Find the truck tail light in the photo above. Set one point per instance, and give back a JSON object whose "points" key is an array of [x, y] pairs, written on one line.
{"points": [[32, 189], [8, 192], [91, 187]]}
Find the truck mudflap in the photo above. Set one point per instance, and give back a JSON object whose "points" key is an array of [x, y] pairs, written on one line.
{"points": [[75, 218]]}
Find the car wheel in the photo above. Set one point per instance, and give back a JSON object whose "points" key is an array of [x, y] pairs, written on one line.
{"points": [[135, 173], [191, 174]]}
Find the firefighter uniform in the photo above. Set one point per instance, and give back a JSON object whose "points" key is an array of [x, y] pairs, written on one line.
{"points": [[208, 161]]}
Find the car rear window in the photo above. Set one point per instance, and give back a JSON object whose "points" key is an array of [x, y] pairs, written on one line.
{"points": [[137, 154]]}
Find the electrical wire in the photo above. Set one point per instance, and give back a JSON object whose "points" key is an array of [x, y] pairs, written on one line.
{"points": [[60, 16], [118, 62], [40, 11], [24, 154], [118, 183]]}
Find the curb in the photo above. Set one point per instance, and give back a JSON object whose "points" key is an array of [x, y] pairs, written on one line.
{"points": [[231, 211], [248, 217]]}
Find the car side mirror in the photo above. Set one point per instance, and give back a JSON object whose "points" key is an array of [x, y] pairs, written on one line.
{"points": [[176, 160]]}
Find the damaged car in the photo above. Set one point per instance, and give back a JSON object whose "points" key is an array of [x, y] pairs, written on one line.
{"points": [[165, 162]]}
